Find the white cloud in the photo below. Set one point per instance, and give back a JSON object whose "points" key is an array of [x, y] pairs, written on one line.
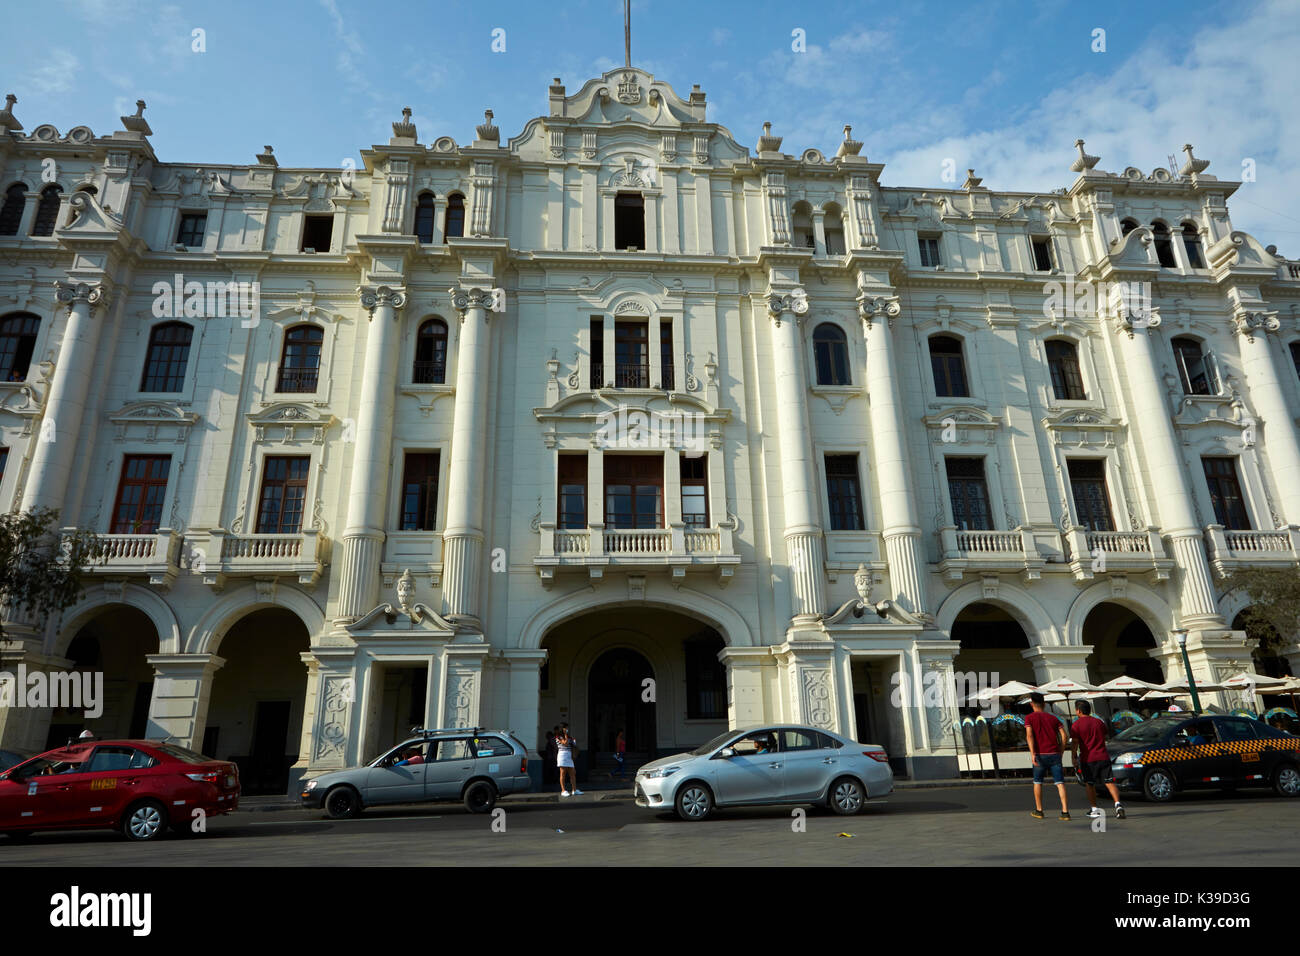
{"points": [[55, 74]]}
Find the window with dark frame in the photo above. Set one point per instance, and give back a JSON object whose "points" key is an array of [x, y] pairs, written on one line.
{"points": [[1091, 500], [706, 677], [420, 491], [632, 354], [17, 344], [168, 358], [831, 352], [191, 228], [431, 353], [1194, 368], [844, 493], [634, 491], [47, 210], [140, 494], [1127, 226], [629, 221], [4, 461], [666, 377], [948, 366], [424, 213], [1295, 356], [969, 494], [1164, 245], [1063, 365], [834, 231], [694, 473], [571, 505], [1192, 244], [929, 246], [597, 355], [11, 213], [284, 494], [1042, 254], [317, 233], [300, 360], [453, 220], [1225, 493]]}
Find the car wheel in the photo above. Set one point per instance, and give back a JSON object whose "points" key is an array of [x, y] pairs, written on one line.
{"points": [[1158, 786], [480, 797], [846, 796], [145, 821], [694, 801], [1287, 781], [342, 803]]}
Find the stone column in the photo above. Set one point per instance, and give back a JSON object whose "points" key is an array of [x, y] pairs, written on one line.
{"points": [[902, 525], [59, 441], [363, 538], [333, 742], [932, 695], [746, 702], [23, 727], [809, 668], [182, 688], [1262, 379], [1150, 410], [803, 534], [463, 535], [1052, 663], [462, 683]]}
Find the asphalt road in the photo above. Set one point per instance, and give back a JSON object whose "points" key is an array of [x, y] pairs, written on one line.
{"points": [[937, 826]]}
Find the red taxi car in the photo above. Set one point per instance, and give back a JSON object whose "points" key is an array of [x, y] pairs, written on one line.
{"points": [[136, 786]]}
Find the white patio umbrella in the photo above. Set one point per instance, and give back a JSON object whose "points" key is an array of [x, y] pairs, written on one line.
{"points": [[1254, 683], [1011, 689]]}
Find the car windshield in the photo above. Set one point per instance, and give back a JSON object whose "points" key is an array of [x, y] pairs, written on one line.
{"points": [[1149, 731], [713, 744]]}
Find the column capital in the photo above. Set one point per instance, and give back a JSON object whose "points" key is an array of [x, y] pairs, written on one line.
{"points": [[795, 302], [92, 293], [462, 300], [373, 297], [871, 307], [1246, 322]]}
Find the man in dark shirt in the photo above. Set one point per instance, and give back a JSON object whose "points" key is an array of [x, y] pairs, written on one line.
{"points": [[1090, 756], [1047, 741]]}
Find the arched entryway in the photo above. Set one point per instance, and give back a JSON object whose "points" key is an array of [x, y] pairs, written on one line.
{"points": [[992, 644], [616, 687], [255, 714], [1121, 644]]}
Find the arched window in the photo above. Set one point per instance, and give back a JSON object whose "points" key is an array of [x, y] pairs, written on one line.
{"points": [[11, 213], [833, 227], [1192, 243], [431, 353], [424, 217], [47, 210], [169, 354], [1063, 363], [1164, 245], [831, 349], [17, 343], [453, 223], [1195, 368], [300, 361], [948, 366], [1127, 226], [801, 227]]}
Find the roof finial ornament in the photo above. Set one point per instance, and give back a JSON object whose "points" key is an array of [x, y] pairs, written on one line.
{"points": [[137, 123], [1084, 162], [7, 119], [1193, 165], [486, 131], [767, 143]]}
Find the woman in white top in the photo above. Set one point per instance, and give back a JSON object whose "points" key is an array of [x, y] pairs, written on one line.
{"points": [[565, 746]]}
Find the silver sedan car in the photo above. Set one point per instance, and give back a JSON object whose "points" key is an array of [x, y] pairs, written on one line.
{"points": [[754, 766]]}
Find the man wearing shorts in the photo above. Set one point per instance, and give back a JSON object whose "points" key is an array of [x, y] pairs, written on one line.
{"points": [[1047, 740], [1090, 756]]}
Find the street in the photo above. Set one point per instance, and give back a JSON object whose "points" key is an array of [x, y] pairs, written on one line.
{"points": [[948, 826]]}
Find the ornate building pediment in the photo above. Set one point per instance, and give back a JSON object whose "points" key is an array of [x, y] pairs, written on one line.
{"points": [[152, 421], [290, 423], [1082, 427]]}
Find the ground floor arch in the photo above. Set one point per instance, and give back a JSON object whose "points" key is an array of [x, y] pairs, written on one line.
{"points": [[1122, 644], [993, 642]]}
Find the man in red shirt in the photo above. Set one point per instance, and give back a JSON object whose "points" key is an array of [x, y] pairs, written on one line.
{"points": [[1092, 759], [1047, 741]]}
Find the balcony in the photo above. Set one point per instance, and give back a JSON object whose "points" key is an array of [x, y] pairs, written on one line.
{"points": [[597, 548], [1094, 552], [1231, 549], [297, 379], [218, 554], [153, 555], [981, 551]]}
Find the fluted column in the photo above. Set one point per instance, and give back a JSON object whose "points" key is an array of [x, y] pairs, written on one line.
{"points": [[902, 526], [65, 408], [803, 532], [363, 537], [1262, 379], [1150, 412], [462, 549]]}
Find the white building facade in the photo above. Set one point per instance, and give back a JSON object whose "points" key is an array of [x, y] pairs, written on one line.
{"points": [[621, 423]]}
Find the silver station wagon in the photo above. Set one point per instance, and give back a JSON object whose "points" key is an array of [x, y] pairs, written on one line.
{"points": [[774, 765], [471, 765]]}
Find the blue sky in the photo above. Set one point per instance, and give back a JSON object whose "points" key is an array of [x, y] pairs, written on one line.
{"points": [[1005, 87]]}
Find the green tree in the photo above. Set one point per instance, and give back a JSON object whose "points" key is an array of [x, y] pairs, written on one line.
{"points": [[1274, 610], [41, 572]]}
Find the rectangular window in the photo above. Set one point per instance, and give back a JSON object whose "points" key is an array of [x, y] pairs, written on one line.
{"points": [[634, 491], [4, 461], [632, 354], [140, 494], [834, 242], [666, 355], [1091, 501], [597, 356], [1043, 255], [191, 228], [1063, 365], [929, 250], [706, 679], [284, 492], [317, 231], [844, 493], [695, 491], [1225, 493], [573, 492], [420, 491], [629, 221], [969, 493]]}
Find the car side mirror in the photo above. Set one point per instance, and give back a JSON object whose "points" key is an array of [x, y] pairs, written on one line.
{"points": [[725, 753]]}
